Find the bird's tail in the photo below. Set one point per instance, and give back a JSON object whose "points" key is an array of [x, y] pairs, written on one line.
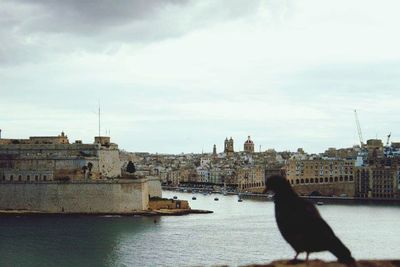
{"points": [[342, 253]]}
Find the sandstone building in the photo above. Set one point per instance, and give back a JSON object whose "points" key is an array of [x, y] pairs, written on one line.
{"points": [[251, 179], [54, 158], [325, 176], [51, 175], [228, 147], [248, 146]]}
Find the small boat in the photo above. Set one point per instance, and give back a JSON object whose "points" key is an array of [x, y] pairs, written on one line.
{"points": [[194, 198], [320, 203], [240, 200], [175, 197], [216, 199]]}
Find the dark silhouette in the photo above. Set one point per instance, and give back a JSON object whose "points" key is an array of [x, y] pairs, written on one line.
{"points": [[131, 167], [301, 224], [90, 167]]}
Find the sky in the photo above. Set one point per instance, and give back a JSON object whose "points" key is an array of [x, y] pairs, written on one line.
{"points": [[177, 76]]}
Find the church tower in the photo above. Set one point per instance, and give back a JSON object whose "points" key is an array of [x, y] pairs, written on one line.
{"points": [[214, 154], [228, 147]]}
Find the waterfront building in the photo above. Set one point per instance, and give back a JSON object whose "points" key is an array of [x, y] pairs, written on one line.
{"points": [[49, 174], [248, 146], [326, 176], [274, 170], [54, 158], [251, 179], [377, 181]]}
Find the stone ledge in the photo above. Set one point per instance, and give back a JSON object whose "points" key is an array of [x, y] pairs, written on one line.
{"points": [[320, 263]]}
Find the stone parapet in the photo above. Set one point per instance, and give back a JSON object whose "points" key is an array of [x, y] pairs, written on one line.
{"points": [[320, 263]]}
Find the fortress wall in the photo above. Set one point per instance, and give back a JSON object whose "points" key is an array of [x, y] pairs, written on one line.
{"points": [[109, 163], [154, 187], [120, 196]]}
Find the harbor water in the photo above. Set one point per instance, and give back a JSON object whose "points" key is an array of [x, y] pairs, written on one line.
{"points": [[237, 233]]}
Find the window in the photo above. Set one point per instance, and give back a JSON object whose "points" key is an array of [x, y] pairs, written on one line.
{"points": [[44, 178], [19, 177], [36, 177], [11, 177], [28, 177]]}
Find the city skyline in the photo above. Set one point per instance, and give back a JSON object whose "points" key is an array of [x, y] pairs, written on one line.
{"points": [[181, 76]]}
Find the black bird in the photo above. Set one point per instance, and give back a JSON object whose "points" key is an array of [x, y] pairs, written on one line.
{"points": [[301, 224]]}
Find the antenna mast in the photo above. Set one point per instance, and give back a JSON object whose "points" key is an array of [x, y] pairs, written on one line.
{"points": [[99, 119]]}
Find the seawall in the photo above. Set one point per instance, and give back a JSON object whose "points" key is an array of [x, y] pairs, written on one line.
{"points": [[84, 196]]}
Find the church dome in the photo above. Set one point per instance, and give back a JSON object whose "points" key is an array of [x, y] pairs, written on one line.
{"points": [[249, 141]]}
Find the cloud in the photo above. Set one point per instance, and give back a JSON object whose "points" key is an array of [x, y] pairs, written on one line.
{"points": [[39, 30], [178, 75]]}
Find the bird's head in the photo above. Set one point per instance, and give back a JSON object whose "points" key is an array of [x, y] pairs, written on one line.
{"points": [[278, 185]]}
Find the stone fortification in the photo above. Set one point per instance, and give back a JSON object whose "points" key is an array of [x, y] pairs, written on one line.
{"points": [[51, 175], [54, 158], [120, 196]]}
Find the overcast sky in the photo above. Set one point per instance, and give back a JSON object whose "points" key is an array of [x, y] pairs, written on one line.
{"points": [[179, 76]]}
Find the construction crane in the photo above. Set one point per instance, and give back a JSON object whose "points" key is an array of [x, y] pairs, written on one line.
{"points": [[388, 139], [358, 128]]}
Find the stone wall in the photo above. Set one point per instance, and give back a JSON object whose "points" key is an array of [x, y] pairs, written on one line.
{"points": [[109, 162], [336, 189], [154, 186], [320, 263], [168, 204], [117, 196], [62, 160]]}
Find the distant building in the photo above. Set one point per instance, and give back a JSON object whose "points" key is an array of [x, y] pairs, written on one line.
{"points": [[251, 179], [46, 158], [37, 140], [228, 147], [325, 176], [375, 150], [377, 182], [248, 146], [49, 174], [343, 153]]}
